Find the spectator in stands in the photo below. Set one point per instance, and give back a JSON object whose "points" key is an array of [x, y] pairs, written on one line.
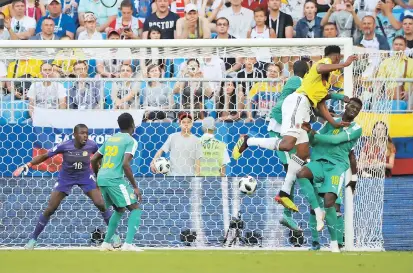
{"points": [[125, 94], [213, 68], [227, 101], [62, 64], [90, 32], [21, 26], [263, 95], [243, 88], [370, 39], [199, 90], [310, 25], [111, 68], [4, 33], [126, 25], [35, 9], [375, 158], [103, 14], [47, 31], [157, 94], [24, 69], [330, 30], [397, 66], [240, 19], [324, 5], [64, 24], [4, 94], [280, 22], [142, 9], [83, 94], [210, 9], [407, 30], [345, 18], [162, 18], [386, 24], [184, 150], [192, 26], [232, 64], [260, 30], [46, 94], [154, 33]]}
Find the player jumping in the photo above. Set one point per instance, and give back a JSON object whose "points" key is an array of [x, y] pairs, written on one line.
{"points": [[116, 154], [296, 110], [75, 171], [328, 165]]}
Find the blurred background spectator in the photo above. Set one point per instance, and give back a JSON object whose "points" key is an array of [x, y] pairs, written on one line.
{"points": [[227, 102], [63, 24], [4, 26], [407, 25], [162, 18], [47, 31], [192, 26], [103, 14], [125, 93], [84, 94], [370, 39], [22, 27], [240, 19], [90, 32], [310, 25], [330, 30], [280, 22], [127, 25], [386, 24]]}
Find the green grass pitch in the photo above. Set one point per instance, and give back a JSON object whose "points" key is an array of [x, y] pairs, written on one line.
{"points": [[176, 261]]}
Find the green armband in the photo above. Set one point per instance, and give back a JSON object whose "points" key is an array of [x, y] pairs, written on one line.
{"points": [[336, 96]]}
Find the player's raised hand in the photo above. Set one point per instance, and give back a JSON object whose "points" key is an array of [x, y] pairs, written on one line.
{"points": [[138, 194], [346, 99], [350, 60], [352, 185], [153, 168], [21, 170]]}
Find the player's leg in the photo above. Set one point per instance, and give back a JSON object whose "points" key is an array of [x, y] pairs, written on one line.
{"points": [[134, 222], [112, 226], [334, 178], [340, 226], [56, 198], [313, 171], [315, 243], [96, 196]]}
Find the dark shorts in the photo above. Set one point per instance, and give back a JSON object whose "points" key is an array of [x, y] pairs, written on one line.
{"points": [[65, 186]]}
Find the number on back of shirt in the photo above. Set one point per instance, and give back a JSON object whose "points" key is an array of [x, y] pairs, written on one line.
{"points": [[78, 165]]}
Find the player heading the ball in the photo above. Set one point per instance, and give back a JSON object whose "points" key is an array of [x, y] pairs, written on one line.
{"points": [[116, 155], [75, 171], [297, 109]]}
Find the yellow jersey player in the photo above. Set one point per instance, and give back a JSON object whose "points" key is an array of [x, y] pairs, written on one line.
{"points": [[296, 110]]}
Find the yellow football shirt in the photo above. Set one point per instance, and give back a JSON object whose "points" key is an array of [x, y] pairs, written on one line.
{"points": [[314, 85]]}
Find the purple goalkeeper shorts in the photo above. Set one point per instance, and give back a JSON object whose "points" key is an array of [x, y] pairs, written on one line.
{"points": [[65, 186]]}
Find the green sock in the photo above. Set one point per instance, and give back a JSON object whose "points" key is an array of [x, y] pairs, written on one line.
{"points": [[313, 229], [133, 224], [331, 219], [307, 190], [113, 224], [340, 229], [288, 212]]}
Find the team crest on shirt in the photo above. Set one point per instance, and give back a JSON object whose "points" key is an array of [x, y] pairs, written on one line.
{"points": [[336, 131], [85, 153], [132, 196]]}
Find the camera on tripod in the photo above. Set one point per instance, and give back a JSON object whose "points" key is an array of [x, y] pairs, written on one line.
{"points": [[233, 234]]}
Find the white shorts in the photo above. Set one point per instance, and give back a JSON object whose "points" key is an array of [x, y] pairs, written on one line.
{"points": [[274, 126], [296, 109]]}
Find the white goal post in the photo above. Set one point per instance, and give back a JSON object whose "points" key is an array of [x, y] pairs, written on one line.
{"points": [[169, 49]]}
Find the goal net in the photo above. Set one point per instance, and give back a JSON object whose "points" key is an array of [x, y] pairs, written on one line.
{"points": [[52, 86]]}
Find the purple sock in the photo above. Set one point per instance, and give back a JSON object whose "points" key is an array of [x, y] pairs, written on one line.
{"points": [[106, 216], [41, 224]]}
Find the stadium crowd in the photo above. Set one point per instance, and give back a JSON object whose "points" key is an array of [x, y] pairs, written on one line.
{"points": [[373, 24]]}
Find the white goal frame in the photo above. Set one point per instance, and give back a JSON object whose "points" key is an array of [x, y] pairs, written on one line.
{"points": [[345, 43]]}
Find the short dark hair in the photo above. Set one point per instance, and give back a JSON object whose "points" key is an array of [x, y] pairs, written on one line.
{"points": [[407, 17], [300, 68], [369, 16], [400, 38], [126, 4], [48, 18], [16, 1], [78, 127], [125, 121], [330, 24], [331, 49], [223, 18], [154, 28], [80, 62], [279, 65], [260, 9], [357, 100]]}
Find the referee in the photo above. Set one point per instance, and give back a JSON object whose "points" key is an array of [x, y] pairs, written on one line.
{"points": [[214, 152]]}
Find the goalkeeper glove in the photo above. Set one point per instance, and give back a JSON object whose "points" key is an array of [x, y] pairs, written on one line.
{"points": [[353, 182], [22, 169]]}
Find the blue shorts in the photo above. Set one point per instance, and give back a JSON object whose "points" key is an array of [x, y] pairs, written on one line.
{"points": [[65, 186]]}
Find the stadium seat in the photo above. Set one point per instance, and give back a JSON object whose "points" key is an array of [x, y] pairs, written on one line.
{"points": [[396, 106], [213, 35], [399, 105], [210, 107], [19, 114], [177, 66], [92, 68]]}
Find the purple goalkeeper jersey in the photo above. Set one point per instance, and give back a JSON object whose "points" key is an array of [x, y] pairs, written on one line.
{"points": [[76, 162]]}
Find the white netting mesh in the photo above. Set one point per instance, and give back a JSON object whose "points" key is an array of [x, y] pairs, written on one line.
{"points": [[217, 84]]}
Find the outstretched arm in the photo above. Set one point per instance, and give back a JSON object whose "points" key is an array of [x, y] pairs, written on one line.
{"points": [[327, 68], [323, 110], [35, 160], [353, 167], [344, 136], [95, 162]]}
